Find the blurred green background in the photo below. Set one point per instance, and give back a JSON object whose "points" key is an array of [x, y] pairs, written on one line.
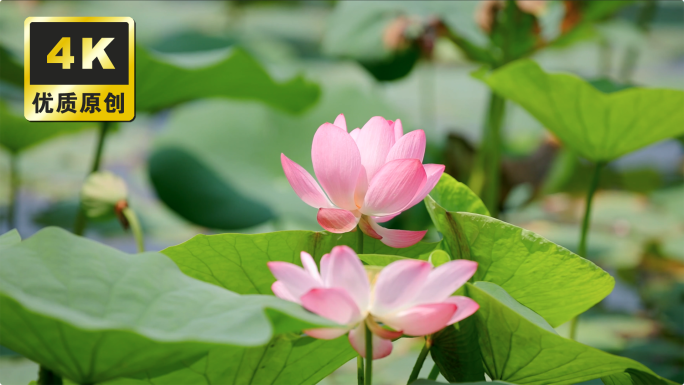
{"points": [[229, 85]]}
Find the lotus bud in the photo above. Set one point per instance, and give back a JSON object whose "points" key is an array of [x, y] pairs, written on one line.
{"points": [[103, 194]]}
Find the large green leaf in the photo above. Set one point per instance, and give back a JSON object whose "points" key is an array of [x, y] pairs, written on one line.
{"points": [[456, 352], [17, 134], [92, 313], [237, 262], [162, 84], [10, 238], [514, 33], [598, 126], [196, 193], [524, 351], [543, 276], [287, 359], [453, 195]]}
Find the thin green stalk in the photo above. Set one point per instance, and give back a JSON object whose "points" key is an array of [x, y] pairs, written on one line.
{"points": [[605, 58], [596, 176], [426, 85], [14, 189], [476, 180], [100, 146], [359, 369], [419, 362], [582, 249], [492, 153], [359, 359], [646, 14], [136, 229], [628, 64], [359, 240], [434, 373], [48, 377], [369, 356], [79, 225]]}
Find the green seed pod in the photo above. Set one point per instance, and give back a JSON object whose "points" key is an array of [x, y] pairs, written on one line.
{"points": [[438, 258], [101, 193]]}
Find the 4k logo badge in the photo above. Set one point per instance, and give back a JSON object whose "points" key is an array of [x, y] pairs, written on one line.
{"points": [[79, 69]]}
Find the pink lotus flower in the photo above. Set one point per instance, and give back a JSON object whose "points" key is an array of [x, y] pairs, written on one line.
{"points": [[370, 176], [408, 296]]}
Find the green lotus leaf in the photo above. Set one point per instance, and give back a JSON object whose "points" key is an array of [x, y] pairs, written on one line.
{"points": [[198, 194], [91, 313], [598, 126], [287, 359], [18, 134], [547, 278], [524, 350], [10, 238], [163, 84], [237, 262], [453, 195]]}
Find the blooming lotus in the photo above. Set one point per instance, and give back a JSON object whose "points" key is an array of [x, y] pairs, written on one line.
{"points": [[408, 296], [370, 175]]}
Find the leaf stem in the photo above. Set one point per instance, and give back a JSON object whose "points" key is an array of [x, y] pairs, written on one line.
{"points": [[491, 153], [582, 249], [646, 14], [605, 58], [136, 229], [79, 225], [426, 84], [434, 373], [369, 355], [48, 377], [14, 189], [359, 369], [419, 362], [359, 240], [596, 176]]}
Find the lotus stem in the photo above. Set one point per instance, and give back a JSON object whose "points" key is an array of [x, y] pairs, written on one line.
{"points": [[14, 189], [582, 249], [359, 369], [136, 229], [79, 225], [646, 14], [491, 153], [605, 58], [359, 240], [420, 361], [426, 85], [369, 356], [434, 373]]}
